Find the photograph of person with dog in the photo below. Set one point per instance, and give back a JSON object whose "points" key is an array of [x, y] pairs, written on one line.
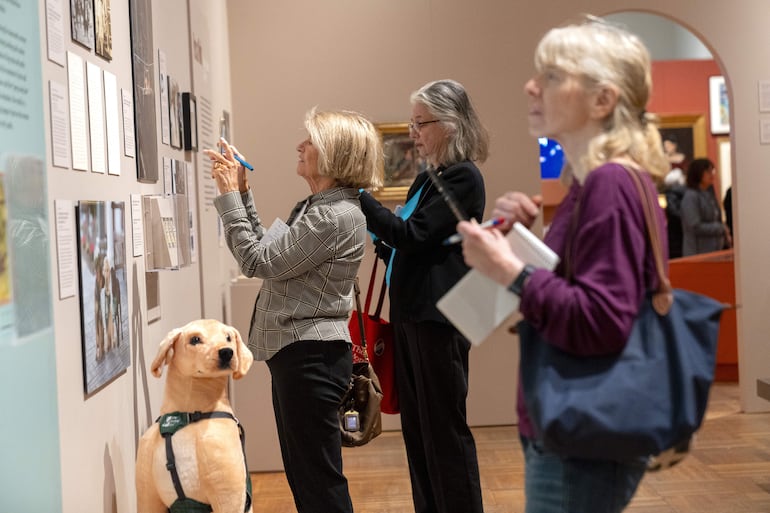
{"points": [[103, 292], [300, 321]]}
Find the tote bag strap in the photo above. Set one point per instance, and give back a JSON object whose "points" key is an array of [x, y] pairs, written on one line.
{"points": [[663, 297], [360, 315], [370, 292], [381, 299]]}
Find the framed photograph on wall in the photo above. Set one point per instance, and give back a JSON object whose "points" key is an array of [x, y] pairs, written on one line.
{"points": [[189, 122], [143, 62], [719, 106], [174, 116], [103, 292], [82, 22], [103, 25], [402, 163]]}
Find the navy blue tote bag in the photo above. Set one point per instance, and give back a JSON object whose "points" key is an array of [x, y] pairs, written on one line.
{"points": [[650, 397]]}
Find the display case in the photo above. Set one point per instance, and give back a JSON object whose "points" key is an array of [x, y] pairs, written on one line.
{"points": [[166, 232]]}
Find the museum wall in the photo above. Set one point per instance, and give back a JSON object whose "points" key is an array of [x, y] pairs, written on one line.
{"points": [[99, 427]]}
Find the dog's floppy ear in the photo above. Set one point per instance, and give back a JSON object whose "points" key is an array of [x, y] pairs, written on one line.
{"points": [[165, 352], [245, 358]]}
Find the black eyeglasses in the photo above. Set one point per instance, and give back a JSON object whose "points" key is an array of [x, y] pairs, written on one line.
{"points": [[417, 125]]}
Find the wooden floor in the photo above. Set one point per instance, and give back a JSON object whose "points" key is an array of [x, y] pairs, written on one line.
{"points": [[727, 472]]}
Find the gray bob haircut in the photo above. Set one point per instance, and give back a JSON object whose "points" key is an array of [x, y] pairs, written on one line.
{"points": [[349, 148], [467, 139]]}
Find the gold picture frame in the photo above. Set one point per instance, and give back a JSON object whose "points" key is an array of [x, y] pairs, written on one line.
{"points": [[402, 164], [690, 132]]}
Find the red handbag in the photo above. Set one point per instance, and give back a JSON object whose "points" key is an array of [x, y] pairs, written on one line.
{"points": [[378, 336]]}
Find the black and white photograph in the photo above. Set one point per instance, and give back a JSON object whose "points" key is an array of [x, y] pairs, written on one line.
{"points": [[143, 56], [175, 112], [103, 24], [82, 22], [103, 292], [178, 177], [189, 122]]}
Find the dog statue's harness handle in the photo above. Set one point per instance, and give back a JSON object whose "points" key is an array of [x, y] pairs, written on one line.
{"points": [[172, 422]]}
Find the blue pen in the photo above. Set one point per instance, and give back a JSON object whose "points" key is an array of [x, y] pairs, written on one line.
{"points": [[454, 239], [243, 162], [235, 155]]}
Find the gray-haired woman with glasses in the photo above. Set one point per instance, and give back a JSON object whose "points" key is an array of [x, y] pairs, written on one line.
{"points": [[431, 355]]}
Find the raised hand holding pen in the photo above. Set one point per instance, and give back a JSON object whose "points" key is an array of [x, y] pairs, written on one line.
{"points": [[517, 206], [489, 252], [227, 170]]}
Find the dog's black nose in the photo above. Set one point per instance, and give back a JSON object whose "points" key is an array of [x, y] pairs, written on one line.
{"points": [[225, 355]]}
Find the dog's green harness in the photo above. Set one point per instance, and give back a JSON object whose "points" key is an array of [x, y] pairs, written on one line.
{"points": [[169, 424]]}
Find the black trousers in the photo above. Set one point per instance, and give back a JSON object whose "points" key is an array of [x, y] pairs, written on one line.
{"points": [[309, 379], [432, 381]]}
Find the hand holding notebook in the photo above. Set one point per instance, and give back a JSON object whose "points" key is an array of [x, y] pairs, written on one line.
{"points": [[476, 305]]}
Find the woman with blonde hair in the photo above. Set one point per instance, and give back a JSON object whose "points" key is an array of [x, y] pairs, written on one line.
{"points": [[300, 320], [589, 92]]}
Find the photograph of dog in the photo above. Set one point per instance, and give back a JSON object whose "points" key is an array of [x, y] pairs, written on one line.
{"points": [[197, 422], [103, 291]]}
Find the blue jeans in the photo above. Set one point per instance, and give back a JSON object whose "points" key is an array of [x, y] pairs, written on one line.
{"points": [[554, 484]]}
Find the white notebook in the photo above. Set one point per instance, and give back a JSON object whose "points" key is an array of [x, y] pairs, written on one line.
{"points": [[476, 305]]}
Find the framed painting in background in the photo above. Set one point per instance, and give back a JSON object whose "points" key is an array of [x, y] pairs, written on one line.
{"points": [[719, 106], [689, 130], [103, 292], [402, 163]]}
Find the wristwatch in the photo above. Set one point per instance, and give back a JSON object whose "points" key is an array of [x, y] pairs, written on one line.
{"points": [[517, 287]]}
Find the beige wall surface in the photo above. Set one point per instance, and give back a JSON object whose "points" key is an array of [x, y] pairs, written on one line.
{"points": [[368, 56]]}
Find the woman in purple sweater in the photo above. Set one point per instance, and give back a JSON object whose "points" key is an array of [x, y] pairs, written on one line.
{"points": [[589, 92]]}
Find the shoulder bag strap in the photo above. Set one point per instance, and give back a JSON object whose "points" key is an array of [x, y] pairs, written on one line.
{"points": [[663, 297], [360, 314], [370, 290], [383, 289]]}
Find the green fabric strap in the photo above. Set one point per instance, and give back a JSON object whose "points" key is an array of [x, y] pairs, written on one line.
{"points": [[189, 506], [172, 422]]}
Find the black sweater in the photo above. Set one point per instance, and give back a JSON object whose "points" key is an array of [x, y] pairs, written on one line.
{"points": [[424, 269]]}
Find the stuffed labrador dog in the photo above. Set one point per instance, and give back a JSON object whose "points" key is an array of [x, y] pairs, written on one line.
{"points": [[193, 455]]}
